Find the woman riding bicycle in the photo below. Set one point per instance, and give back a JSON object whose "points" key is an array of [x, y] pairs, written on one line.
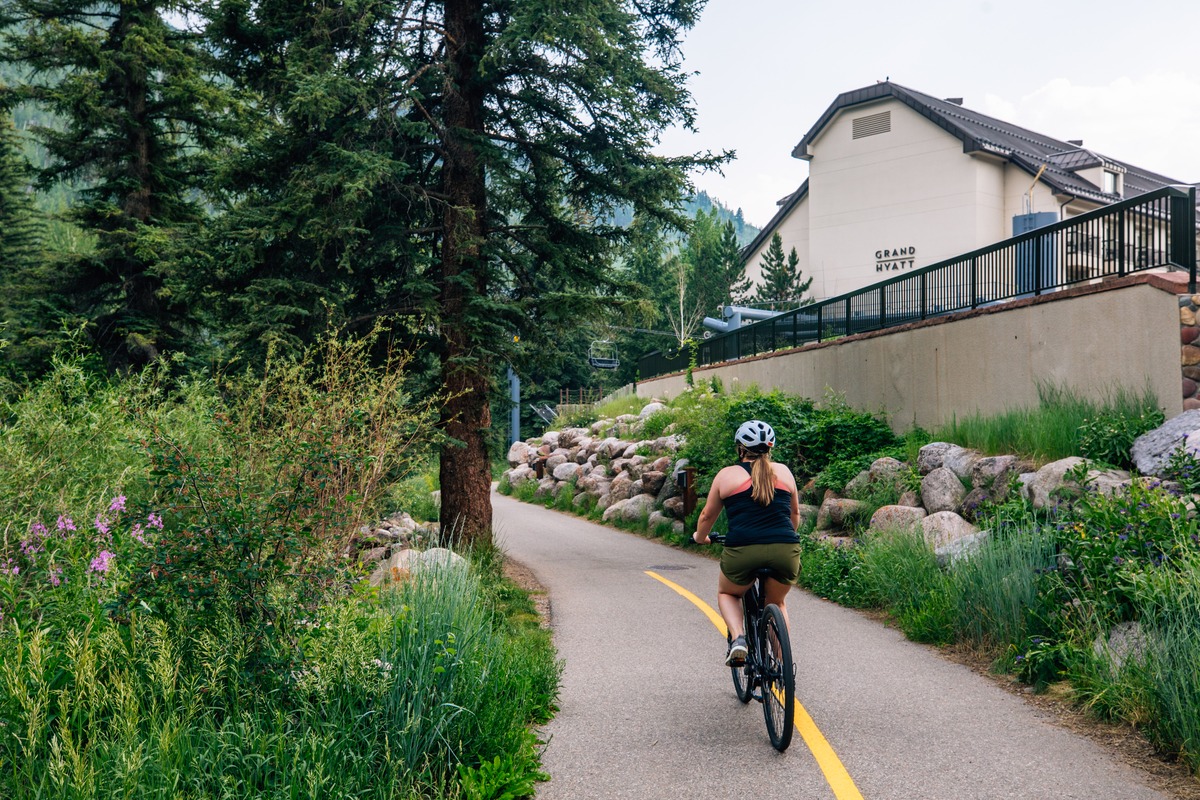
{"points": [[762, 507]]}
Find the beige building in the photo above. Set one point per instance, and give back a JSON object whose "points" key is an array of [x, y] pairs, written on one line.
{"points": [[899, 180]]}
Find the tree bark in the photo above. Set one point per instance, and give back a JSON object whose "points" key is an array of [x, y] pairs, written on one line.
{"points": [[465, 471]]}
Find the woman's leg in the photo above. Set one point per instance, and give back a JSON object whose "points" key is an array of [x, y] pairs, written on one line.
{"points": [[729, 601], [777, 592]]}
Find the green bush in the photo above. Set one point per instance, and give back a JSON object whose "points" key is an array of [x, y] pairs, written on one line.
{"points": [[902, 574], [1108, 437]]}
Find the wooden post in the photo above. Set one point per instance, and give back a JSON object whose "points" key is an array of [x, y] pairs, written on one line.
{"points": [[689, 491]]}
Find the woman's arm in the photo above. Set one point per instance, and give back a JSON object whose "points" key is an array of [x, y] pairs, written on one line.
{"points": [[712, 510]]}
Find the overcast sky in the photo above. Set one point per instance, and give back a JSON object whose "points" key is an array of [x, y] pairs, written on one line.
{"points": [[1122, 76]]}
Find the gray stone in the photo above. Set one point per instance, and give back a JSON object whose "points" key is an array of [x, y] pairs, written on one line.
{"points": [[652, 482], [932, 456], [545, 488], [941, 490], [973, 501], [944, 527], [808, 514], [551, 438], [910, 498], [1044, 488], [440, 557], [836, 512], [622, 488], [1152, 449], [961, 461], [1125, 641], [372, 555], [580, 500], [658, 518], [992, 473], [395, 568], [893, 517], [857, 484], [520, 453], [571, 437], [564, 472], [650, 408], [960, 548], [886, 470], [632, 509], [674, 507], [554, 461]]}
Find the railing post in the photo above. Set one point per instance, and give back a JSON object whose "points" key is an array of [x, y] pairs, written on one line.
{"points": [[1182, 230], [882, 307], [1036, 241], [974, 283], [796, 328], [924, 295], [847, 316], [1121, 242], [820, 322]]}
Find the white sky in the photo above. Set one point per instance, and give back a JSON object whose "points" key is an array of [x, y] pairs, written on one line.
{"points": [[1122, 76]]}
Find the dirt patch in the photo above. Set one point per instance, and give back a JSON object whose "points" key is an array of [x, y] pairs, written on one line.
{"points": [[523, 576], [1122, 741]]}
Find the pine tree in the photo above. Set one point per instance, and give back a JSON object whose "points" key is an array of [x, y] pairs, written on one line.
{"points": [[139, 116], [449, 168], [21, 233], [783, 284]]}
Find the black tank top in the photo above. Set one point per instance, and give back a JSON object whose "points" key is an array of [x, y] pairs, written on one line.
{"points": [[751, 523]]}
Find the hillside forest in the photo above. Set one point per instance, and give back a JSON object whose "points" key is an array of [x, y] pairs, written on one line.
{"points": [[211, 185]]}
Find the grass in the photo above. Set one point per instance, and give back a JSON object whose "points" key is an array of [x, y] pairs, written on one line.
{"points": [[1048, 431]]}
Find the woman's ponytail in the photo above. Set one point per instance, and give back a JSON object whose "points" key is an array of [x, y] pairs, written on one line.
{"points": [[762, 480]]}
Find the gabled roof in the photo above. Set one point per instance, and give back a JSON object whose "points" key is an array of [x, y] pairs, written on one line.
{"points": [[785, 207], [981, 133]]}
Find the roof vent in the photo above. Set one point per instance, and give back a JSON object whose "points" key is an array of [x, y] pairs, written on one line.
{"points": [[956, 100], [1076, 142], [871, 125]]}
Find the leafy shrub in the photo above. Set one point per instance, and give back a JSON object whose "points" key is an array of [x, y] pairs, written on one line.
{"points": [[1183, 468], [655, 425], [1111, 539], [1108, 437], [833, 572]]}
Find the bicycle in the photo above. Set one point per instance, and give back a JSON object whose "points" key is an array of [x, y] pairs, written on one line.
{"points": [[768, 666]]}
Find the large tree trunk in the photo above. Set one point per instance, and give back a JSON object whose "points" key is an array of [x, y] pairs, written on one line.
{"points": [[464, 470]]}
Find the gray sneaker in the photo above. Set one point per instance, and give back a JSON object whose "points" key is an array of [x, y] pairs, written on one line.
{"points": [[737, 652]]}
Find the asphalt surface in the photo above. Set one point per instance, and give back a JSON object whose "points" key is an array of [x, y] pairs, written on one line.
{"points": [[647, 708]]}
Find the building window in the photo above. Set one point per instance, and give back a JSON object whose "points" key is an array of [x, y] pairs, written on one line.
{"points": [[872, 124], [1111, 186]]}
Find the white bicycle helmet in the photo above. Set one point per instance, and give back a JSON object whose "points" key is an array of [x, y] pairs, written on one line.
{"points": [[754, 434]]}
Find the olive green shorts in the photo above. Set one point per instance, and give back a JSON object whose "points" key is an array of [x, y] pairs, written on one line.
{"points": [[739, 563]]}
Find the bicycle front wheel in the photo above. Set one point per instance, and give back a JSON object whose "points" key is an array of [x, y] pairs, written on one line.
{"points": [[778, 678], [743, 684]]}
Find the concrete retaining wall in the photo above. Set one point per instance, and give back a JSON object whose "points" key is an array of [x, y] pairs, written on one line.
{"points": [[1124, 332]]}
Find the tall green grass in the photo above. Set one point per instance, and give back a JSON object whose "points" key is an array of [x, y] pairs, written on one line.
{"points": [[1050, 430]]}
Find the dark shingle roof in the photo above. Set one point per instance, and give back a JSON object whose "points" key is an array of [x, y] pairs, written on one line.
{"points": [[981, 133]]}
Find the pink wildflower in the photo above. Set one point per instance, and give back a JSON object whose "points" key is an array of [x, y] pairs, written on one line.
{"points": [[65, 523], [55, 576], [118, 503], [100, 563], [154, 521], [101, 524], [136, 533]]}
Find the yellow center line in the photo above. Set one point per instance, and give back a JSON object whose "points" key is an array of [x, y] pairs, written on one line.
{"points": [[835, 772]]}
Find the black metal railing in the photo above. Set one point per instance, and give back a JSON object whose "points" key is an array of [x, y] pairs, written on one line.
{"points": [[1156, 229]]}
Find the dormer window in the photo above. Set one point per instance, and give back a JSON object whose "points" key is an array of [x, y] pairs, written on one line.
{"points": [[1112, 182]]}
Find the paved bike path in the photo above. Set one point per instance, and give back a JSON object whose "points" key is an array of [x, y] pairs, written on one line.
{"points": [[647, 708]]}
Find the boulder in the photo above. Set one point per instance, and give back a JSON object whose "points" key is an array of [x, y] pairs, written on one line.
{"points": [[617, 448], [858, 483], [956, 550], [973, 502], [670, 444], [961, 461], [622, 488], [520, 453], [652, 482], [893, 517], [618, 465], [808, 514], [581, 500], [910, 498], [550, 438], [545, 488], [649, 409], [601, 489], [836, 512], [440, 557], [632, 509], [992, 473], [636, 488], [396, 568], [631, 450], [673, 507], [1124, 642], [944, 527], [886, 470], [1047, 483], [932, 456], [1153, 449], [941, 490], [571, 437], [566, 471], [657, 518], [662, 464], [372, 555], [554, 461]]}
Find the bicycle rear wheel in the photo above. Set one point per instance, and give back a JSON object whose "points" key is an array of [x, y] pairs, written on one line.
{"points": [[743, 683], [778, 677]]}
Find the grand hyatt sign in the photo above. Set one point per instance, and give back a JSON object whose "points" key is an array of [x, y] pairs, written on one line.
{"points": [[895, 259]]}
